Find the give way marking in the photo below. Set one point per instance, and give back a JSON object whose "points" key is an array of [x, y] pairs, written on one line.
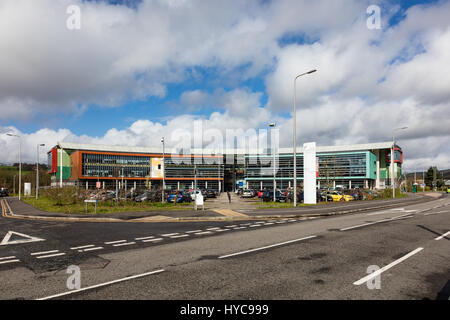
{"points": [[6, 239]]}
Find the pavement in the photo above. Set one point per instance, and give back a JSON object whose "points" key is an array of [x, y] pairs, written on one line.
{"points": [[285, 258]]}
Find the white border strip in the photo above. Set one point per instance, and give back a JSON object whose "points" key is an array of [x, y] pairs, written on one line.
{"points": [[51, 255], [266, 247], [43, 252], [102, 284], [82, 247], [379, 271]]}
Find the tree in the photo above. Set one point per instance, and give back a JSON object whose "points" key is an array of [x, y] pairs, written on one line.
{"points": [[429, 177]]}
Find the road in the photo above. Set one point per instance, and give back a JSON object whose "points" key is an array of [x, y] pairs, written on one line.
{"points": [[320, 258]]}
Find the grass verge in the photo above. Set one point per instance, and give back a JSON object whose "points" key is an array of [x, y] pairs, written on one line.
{"points": [[79, 207]]}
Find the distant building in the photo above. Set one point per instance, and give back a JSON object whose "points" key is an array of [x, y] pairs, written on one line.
{"points": [[88, 165]]}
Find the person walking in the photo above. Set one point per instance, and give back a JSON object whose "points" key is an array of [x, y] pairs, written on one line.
{"points": [[229, 196]]}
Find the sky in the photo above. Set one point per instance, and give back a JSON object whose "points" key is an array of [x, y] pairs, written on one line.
{"points": [[138, 70]]}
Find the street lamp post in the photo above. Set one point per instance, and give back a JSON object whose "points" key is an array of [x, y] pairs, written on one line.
{"points": [[20, 162], [295, 134], [37, 169], [393, 161], [273, 124], [164, 171]]}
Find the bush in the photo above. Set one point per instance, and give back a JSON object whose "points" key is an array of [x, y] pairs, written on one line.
{"points": [[65, 195]]}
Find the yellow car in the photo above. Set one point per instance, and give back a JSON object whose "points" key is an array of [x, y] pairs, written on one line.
{"points": [[338, 196]]}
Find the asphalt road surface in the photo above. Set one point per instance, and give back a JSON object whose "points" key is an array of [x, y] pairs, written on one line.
{"points": [[401, 253]]}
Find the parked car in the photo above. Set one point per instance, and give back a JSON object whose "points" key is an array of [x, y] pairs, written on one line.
{"points": [[268, 196], [146, 196], [339, 196], [179, 197], [210, 193], [247, 194], [3, 192]]}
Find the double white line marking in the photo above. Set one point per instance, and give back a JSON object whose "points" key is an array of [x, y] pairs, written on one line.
{"points": [[47, 254], [9, 259]]}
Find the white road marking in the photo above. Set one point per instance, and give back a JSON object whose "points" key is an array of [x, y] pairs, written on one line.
{"points": [[6, 258], [82, 247], [266, 247], [9, 261], [180, 236], [379, 271], [90, 249], [378, 212], [442, 236], [427, 214], [200, 233], [245, 224], [43, 252], [6, 241], [123, 244], [232, 226], [51, 255], [213, 228], [102, 284], [152, 240], [268, 223], [193, 231], [221, 230], [113, 242], [143, 238], [255, 225], [281, 222], [237, 228], [170, 234], [405, 216]]}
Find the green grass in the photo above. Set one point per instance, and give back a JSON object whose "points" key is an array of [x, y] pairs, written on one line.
{"points": [[50, 205]]}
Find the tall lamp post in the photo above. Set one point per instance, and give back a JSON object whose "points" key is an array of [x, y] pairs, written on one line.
{"points": [[37, 169], [20, 162], [294, 150], [164, 171], [393, 161], [273, 124]]}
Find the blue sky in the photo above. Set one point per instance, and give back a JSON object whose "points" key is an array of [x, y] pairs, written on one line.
{"points": [[161, 109]]}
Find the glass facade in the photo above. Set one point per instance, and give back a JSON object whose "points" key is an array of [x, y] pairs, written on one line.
{"points": [[344, 165], [105, 165]]}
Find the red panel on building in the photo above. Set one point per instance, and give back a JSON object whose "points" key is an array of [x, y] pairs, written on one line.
{"points": [[54, 167]]}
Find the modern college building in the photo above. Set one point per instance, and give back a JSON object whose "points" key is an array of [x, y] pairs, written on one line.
{"points": [[108, 167]]}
